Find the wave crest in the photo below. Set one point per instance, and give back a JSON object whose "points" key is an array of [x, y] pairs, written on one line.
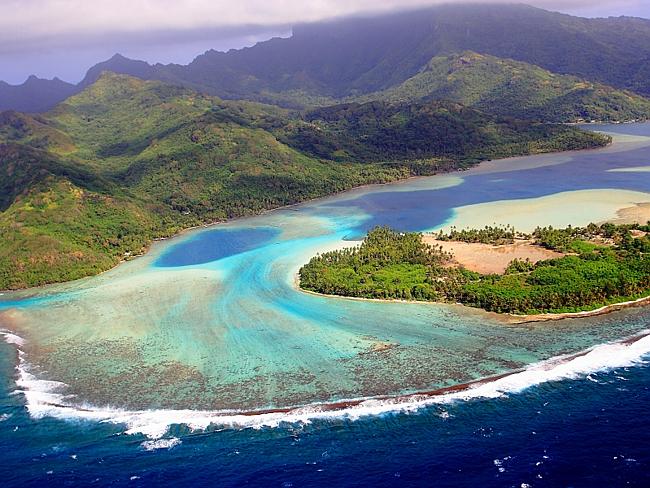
{"points": [[47, 398]]}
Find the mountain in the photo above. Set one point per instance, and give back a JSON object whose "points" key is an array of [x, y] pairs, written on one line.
{"points": [[358, 55], [512, 88], [35, 95], [118, 64], [363, 58], [125, 161]]}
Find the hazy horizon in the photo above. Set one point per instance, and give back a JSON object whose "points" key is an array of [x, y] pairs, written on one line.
{"points": [[53, 47]]}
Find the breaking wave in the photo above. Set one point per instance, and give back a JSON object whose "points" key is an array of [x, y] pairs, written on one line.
{"points": [[48, 398]]}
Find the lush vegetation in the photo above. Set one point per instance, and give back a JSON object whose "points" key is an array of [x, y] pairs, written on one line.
{"points": [[512, 88], [58, 231], [590, 238], [387, 264], [496, 235], [125, 161], [382, 131], [395, 265]]}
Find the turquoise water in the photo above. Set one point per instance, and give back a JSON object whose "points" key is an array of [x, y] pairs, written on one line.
{"points": [[212, 320]]}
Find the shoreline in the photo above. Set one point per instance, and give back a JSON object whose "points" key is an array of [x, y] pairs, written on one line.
{"points": [[206, 225], [605, 309], [508, 318], [532, 374], [437, 392]]}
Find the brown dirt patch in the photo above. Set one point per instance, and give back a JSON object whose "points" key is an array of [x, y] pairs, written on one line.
{"points": [[489, 259]]}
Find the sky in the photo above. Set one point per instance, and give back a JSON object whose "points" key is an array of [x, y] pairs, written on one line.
{"points": [[65, 37]]}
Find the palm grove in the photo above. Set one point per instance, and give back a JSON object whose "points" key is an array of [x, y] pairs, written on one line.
{"points": [[604, 265]]}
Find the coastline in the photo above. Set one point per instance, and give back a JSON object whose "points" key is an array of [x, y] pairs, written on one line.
{"points": [[155, 424], [445, 391], [550, 317], [507, 318], [184, 231]]}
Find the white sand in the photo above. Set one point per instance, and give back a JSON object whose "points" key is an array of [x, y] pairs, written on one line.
{"points": [[559, 210], [638, 214]]}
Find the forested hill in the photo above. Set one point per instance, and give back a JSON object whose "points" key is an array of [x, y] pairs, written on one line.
{"points": [[401, 131], [125, 161], [512, 88], [337, 61], [362, 55]]}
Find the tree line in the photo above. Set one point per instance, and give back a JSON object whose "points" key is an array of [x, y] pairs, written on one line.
{"points": [[394, 265]]}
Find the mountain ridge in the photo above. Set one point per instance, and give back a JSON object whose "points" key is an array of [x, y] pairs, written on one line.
{"points": [[34, 94], [330, 61]]}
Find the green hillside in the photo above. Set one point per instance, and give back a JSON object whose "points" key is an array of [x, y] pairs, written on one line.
{"points": [[360, 55], [125, 161], [507, 87], [416, 131]]}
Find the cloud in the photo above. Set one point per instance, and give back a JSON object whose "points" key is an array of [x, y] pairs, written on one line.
{"points": [[26, 20], [64, 37]]}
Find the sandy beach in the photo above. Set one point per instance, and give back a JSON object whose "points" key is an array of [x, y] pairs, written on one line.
{"points": [[604, 205], [549, 317], [638, 214]]}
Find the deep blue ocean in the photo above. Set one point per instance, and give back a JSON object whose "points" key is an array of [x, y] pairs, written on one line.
{"points": [[588, 432]]}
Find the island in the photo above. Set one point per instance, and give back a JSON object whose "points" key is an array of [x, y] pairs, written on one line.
{"points": [[553, 271]]}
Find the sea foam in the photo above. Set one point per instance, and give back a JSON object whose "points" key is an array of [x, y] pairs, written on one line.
{"points": [[161, 444], [48, 398]]}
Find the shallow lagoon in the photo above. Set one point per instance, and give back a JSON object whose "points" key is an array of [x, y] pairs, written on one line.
{"points": [[212, 320]]}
